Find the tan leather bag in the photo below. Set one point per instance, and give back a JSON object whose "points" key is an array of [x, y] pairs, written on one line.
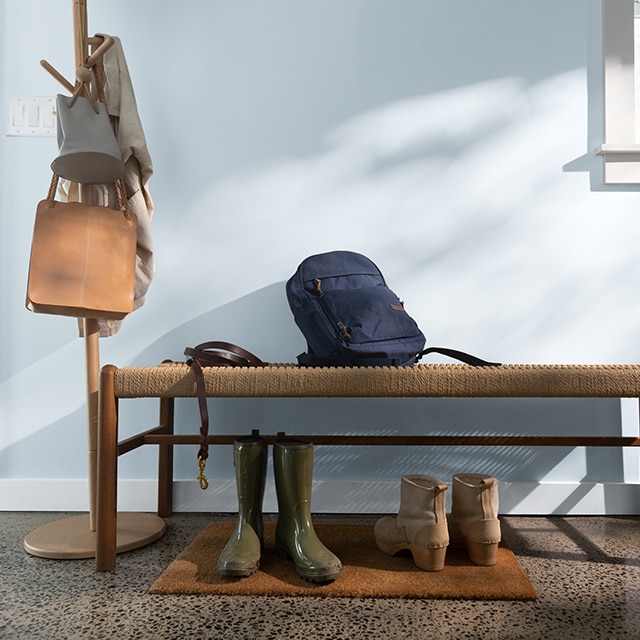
{"points": [[83, 259]]}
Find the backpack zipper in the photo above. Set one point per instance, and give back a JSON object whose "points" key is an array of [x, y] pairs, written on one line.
{"points": [[344, 330]]}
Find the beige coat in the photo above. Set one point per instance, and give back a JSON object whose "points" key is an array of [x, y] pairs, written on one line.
{"points": [[138, 170]]}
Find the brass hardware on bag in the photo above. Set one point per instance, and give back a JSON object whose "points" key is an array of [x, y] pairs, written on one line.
{"points": [[202, 479], [317, 282]]}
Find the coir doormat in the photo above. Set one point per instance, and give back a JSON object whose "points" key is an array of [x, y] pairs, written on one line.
{"points": [[367, 572]]}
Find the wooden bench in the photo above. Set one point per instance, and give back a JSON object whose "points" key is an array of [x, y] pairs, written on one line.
{"points": [[176, 380]]}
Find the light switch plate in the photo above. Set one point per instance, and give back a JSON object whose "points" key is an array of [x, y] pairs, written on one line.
{"points": [[31, 116]]}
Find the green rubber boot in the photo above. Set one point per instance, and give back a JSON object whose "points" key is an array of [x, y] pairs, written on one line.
{"points": [[295, 535], [241, 555]]}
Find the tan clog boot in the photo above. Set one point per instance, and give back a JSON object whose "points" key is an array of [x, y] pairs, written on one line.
{"points": [[473, 521], [421, 523]]}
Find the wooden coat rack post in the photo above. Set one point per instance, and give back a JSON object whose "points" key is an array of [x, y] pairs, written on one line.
{"points": [[75, 537]]}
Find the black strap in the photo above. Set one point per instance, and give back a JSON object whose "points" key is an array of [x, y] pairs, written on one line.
{"points": [[309, 359], [459, 355]]}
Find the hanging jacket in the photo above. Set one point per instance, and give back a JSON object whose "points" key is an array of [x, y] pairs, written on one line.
{"points": [[123, 110]]}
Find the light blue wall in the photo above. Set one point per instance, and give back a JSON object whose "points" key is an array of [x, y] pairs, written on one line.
{"points": [[435, 137]]}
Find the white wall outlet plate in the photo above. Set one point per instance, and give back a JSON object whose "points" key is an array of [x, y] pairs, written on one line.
{"points": [[31, 116]]}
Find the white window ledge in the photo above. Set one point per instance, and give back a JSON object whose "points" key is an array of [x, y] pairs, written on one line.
{"points": [[621, 163], [622, 150]]}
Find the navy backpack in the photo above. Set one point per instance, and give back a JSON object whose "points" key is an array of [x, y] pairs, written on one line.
{"points": [[349, 317]]}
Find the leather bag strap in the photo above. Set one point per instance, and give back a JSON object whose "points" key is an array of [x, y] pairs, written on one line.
{"points": [[223, 354], [213, 354], [121, 198]]}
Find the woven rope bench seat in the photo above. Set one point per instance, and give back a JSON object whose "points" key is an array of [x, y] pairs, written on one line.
{"points": [[176, 380]]}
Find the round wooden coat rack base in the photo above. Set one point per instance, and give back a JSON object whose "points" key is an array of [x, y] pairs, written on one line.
{"points": [[71, 538]]}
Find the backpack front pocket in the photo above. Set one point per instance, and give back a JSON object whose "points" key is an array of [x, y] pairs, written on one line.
{"points": [[371, 314]]}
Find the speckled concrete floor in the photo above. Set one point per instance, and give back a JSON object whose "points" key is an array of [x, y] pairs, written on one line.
{"points": [[586, 570]]}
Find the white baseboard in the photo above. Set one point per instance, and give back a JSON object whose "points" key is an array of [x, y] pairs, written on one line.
{"points": [[516, 498]]}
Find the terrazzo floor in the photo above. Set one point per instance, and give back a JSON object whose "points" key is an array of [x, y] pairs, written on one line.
{"points": [[585, 569]]}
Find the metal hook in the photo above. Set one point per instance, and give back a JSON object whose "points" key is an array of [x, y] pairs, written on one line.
{"points": [[202, 479]]}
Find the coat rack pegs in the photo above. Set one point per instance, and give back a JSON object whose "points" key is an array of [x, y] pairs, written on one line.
{"points": [[58, 76], [84, 72], [107, 43]]}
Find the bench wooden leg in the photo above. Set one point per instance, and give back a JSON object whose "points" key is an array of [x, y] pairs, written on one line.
{"points": [[107, 472], [165, 460]]}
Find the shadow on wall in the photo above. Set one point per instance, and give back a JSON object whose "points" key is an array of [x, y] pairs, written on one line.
{"points": [[502, 267], [461, 200], [260, 322], [263, 323], [497, 268]]}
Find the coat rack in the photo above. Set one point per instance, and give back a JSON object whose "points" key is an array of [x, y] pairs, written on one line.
{"points": [[75, 537]]}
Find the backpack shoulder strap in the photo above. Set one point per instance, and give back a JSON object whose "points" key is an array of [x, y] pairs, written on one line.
{"points": [[459, 355]]}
